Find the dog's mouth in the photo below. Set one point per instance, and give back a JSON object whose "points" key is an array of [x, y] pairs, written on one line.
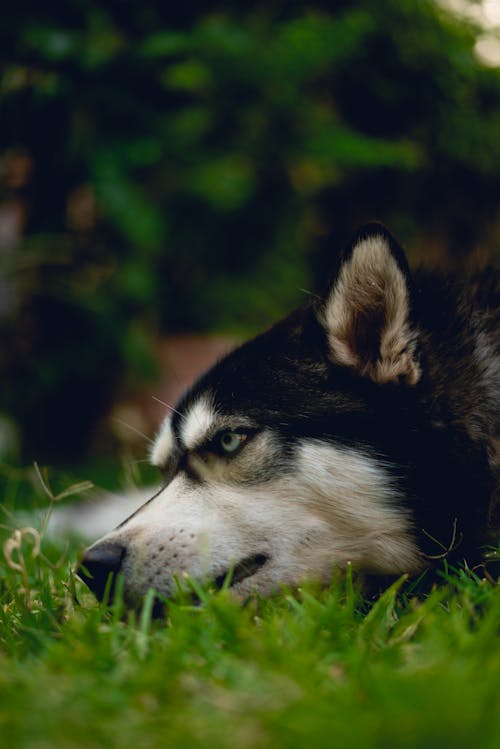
{"points": [[241, 571]]}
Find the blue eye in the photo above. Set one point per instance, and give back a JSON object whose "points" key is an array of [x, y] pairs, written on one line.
{"points": [[230, 442]]}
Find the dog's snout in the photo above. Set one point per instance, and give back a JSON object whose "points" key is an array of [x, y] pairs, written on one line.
{"points": [[98, 563]]}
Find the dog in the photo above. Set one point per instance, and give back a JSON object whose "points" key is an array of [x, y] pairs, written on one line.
{"points": [[363, 428]]}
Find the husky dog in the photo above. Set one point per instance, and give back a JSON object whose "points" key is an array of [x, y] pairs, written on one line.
{"points": [[362, 428]]}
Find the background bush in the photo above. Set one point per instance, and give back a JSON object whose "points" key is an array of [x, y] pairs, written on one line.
{"points": [[174, 169]]}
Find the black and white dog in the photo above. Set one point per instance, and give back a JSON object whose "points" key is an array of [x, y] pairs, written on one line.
{"points": [[362, 428]]}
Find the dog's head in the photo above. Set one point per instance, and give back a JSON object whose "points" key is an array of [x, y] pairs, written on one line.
{"points": [[289, 456]]}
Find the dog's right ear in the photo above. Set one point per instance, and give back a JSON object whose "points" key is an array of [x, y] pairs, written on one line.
{"points": [[367, 311]]}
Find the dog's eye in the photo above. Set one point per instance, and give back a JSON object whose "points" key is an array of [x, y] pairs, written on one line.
{"points": [[230, 442]]}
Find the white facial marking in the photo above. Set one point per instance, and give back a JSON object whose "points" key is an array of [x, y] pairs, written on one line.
{"points": [[332, 506], [163, 444], [356, 494], [197, 423]]}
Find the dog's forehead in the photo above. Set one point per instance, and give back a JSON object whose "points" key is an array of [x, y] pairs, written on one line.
{"points": [[198, 422], [275, 379], [187, 430]]}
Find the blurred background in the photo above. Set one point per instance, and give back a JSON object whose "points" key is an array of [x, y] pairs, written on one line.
{"points": [[174, 177]]}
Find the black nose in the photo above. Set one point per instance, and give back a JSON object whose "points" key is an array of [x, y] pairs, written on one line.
{"points": [[98, 564]]}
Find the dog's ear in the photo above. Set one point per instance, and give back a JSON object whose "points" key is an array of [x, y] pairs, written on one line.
{"points": [[367, 310]]}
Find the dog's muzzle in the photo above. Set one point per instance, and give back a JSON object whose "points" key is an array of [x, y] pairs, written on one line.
{"points": [[99, 563]]}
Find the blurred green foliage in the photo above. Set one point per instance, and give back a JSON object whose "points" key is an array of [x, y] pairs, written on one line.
{"points": [[218, 155]]}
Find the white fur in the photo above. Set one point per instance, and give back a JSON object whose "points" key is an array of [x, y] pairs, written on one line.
{"points": [[163, 444], [95, 516], [335, 506], [368, 281], [197, 423], [356, 494]]}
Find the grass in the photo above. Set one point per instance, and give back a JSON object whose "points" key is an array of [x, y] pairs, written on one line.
{"points": [[313, 668]]}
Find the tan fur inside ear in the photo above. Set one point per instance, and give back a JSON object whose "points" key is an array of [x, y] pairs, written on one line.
{"points": [[366, 316]]}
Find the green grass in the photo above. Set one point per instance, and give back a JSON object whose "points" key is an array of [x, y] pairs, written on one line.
{"points": [[311, 668]]}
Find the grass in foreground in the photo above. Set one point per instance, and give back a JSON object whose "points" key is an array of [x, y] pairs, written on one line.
{"points": [[311, 668]]}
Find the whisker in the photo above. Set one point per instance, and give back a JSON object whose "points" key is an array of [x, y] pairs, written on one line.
{"points": [[133, 429], [167, 405], [309, 293]]}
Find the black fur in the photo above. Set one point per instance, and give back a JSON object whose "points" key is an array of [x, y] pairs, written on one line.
{"points": [[439, 437]]}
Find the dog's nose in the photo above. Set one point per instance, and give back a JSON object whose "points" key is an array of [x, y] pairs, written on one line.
{"points": [[98, 563]]}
